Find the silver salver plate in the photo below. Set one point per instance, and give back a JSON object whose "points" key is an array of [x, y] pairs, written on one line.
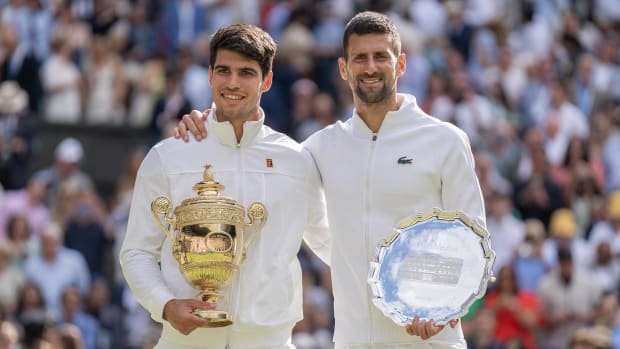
{"points": [[433, 265]]}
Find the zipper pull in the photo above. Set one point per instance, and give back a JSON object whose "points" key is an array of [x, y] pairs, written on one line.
{"points": [[374, 137]]}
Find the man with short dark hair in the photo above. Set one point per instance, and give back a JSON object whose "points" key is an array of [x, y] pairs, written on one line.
{"points": [[399, 161], [255, 164]]}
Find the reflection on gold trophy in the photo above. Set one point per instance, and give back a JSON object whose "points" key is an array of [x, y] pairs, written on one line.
{"points": [[212, 235]]}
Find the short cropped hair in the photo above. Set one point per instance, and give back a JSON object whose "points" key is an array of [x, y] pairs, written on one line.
{"points": [[370, 22], [247, 40]]}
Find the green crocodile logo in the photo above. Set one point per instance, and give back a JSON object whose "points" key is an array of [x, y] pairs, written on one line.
{"points": [[403, 160]]}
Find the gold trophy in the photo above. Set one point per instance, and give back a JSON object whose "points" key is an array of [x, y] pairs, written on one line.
{"points": [[212, 235]]}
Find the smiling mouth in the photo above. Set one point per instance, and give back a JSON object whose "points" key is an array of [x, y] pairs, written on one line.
{"points": [[370, 81], [232, 97]]}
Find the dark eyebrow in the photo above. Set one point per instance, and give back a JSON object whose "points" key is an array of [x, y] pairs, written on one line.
{"points": [[249, 70], [242, 69]]}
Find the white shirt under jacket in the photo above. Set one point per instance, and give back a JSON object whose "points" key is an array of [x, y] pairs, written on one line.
{"points": [[268, 288], [368, 191]]}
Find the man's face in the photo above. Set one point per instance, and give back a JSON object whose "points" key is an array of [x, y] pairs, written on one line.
{"points": [[371, 67], [237, 83]]}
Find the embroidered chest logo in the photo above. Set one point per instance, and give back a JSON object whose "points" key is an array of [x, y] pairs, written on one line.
{"points": [[269, 163], [403, 160]]}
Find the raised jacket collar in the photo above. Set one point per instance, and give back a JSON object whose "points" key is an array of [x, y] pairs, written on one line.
{"points": [[225, 132], [392, 118]]}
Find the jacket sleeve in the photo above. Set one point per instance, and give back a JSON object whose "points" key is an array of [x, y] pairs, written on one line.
{"points": [[316, 234], [460, 189], [140, 253]]}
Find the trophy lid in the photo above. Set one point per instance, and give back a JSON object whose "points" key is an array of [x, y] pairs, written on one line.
{"points": [[208, 193], [208, 186]]}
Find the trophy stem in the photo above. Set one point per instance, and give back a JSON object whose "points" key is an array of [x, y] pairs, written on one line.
{"points": [[215, 318]]}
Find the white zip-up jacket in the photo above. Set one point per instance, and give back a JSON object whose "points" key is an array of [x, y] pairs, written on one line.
{"points": [[266, 166], [371, 182]]}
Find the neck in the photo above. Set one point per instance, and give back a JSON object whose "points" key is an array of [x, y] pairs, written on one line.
{"points": [[373, 114]]}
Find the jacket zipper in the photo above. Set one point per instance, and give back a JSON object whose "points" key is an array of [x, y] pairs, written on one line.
{"points": [[234, 302], [367, 228]]}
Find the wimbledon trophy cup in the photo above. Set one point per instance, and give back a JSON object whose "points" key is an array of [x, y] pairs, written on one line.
{"points": [[434, 266], [212, 235]]}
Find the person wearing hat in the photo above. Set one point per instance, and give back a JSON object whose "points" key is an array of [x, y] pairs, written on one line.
{"points": [[563, 234], [66, 168], [609, 228], [16, 131]]}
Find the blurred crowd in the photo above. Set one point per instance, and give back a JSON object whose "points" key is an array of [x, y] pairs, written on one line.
{"points": [[534, 83]]}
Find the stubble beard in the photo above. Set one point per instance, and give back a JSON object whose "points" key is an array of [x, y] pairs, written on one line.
{"points": [[373, 97]]}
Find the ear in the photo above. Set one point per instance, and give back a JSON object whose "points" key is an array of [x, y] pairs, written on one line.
{"points": [[342, 68], [401, 65], [267, 81], [210, 75]]}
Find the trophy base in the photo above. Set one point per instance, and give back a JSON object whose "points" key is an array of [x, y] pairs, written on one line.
{"points": [[215, 318]]}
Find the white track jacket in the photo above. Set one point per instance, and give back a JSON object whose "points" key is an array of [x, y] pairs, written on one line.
{"points": [[267, 167], [372, 181]]}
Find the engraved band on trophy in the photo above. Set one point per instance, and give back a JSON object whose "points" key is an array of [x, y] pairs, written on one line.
{"points": [[211, 237], [434, 266]]}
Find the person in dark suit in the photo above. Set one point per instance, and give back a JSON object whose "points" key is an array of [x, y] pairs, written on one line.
{"points": [[17, 64]]}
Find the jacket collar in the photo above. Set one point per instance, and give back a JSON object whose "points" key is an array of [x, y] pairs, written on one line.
{"points": [[225, 133], [408, 108]]}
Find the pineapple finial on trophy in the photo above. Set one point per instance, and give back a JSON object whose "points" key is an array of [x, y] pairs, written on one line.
{"points": [[208, 186]]}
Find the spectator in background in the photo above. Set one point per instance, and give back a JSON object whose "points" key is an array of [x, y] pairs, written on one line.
{"points": [[12, 279], [529, 265], [23, 243], [72, 313], [142, 33], [569, 297], [182, 22], [582, 90], [508, 231], [77, 32], [562, 121], [16, 133], [584, 197], [518, 313], [148, 82], [611, 160], [170, 106], [62, 82], [57, 268], [605, 269], [85, 233], [106, 85], [18, 65], [608, 229], [111, 331], [323, 114], [195, 82], [564, 235], [31, 304], [66, 168], [538, 196], [29, 202]]}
